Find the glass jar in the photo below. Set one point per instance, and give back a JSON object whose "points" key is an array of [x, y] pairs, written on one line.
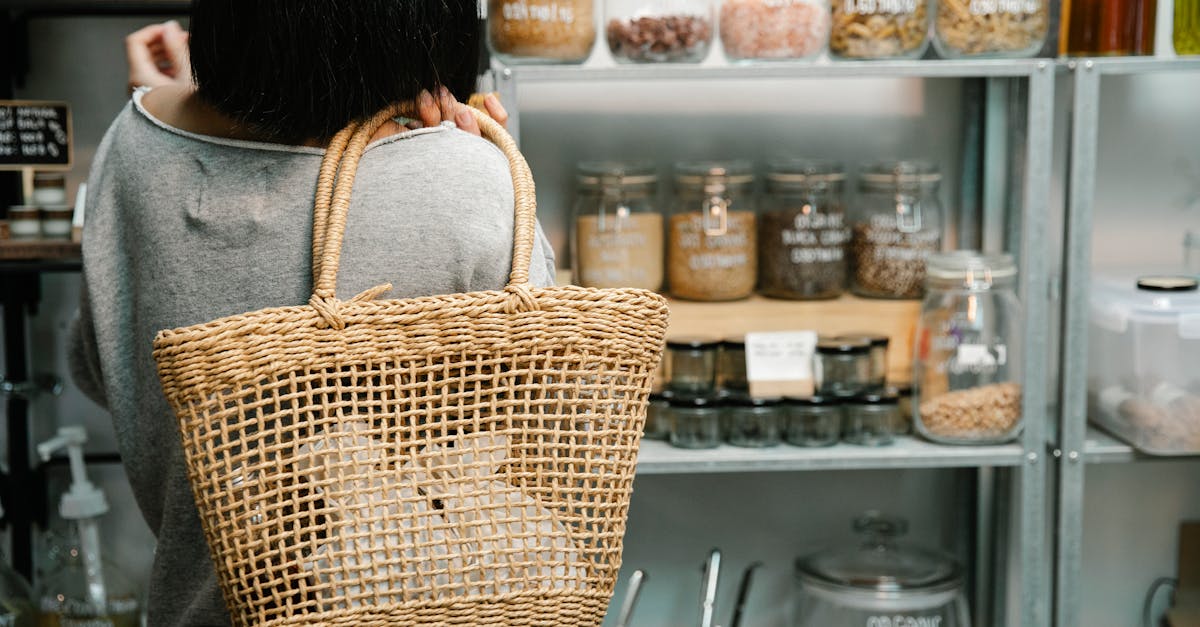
{"points": [[754, 422], [991, 28], [880, 29], [1111, 28], [870, 419], [904, 393], [813, 421], [774, 29], [802, 232], [658, 416], [879, 355], [49, 189], [731, 368], [696, 422], [1186, 35], [659, 31], [618, 238], [712, 241], [896, 226], [842, 367], [24, 222], [541, 31], [880, 582], [692, 366], [967, 370]]}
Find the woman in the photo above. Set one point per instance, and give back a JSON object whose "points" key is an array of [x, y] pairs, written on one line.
{"points": [[201, 200]]}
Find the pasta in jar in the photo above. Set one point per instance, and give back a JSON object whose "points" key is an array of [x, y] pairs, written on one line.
{"points": [[879, 29]]}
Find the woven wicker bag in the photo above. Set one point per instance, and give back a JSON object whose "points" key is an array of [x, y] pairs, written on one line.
{"points": [[450, 460]]}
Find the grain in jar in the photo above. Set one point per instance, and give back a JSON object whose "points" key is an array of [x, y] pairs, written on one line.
{"points": [[990, 28], [897, 224], [879, 29], [659, 31], [712, 240], [541, 31], [774, 29], [802, 232], [618, 237]]}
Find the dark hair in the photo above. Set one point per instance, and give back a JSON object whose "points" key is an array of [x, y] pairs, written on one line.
{"points": [[294, 70]]}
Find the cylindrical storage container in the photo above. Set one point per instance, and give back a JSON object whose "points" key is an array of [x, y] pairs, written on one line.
{"points": [[731, 368], [754, 422], [967, 386], [692, 366], [990, 28], [870, 419], [774, 29], [813, 421], [880, 29], [879, 355], [658, 416], [49, 189], [618, 238], [712, 240], [1186, 33], [659, 31], [24, 222], [879, 582], [802, 232], [57, 222], [541, 31], [897, 224], [696, 422], [904, 393], [842, 367]]}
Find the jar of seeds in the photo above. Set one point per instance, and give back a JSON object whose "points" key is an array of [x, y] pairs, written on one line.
{"points": [[618, 238], [802, 232], [897, 224], [712, 239]]}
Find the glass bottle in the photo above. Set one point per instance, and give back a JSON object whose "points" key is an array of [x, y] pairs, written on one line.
{"points": [[802, 233], [967, 368], [990, 28], [897, 224], [64, 599], [618, 237], [541, 31], [712, 238], [659, 31], [774, 29], [880, 29], [1187, 27]]}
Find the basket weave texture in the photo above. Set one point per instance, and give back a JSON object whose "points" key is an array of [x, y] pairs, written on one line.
{"points": [[464, 459]]}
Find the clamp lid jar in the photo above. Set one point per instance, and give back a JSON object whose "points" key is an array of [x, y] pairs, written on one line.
{"points": [[802, 230], [712, 242], [618, 237], [897, 224]]}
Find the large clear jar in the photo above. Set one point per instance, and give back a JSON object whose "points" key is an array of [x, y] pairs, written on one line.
{"points": [[659, 31], [880, 29], [774, 29], [712, 248], [990, 28], [802, 231], [618, 237], [541, 31], [967, 386], [897, 224]]}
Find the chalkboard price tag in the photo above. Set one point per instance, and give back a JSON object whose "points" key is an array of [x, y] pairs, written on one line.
{"points": [[35, 134]]}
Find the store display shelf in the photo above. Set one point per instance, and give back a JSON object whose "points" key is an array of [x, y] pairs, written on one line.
{"points": [[660, 458], [1100, 447], [1137, 65]]}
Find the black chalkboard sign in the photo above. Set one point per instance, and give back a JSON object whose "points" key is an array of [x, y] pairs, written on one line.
{"points": [[35, 135]]}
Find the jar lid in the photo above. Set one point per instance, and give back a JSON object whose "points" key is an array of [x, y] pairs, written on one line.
{"points": [[49, 177], [58, 212], [737, 172], [891, 174], [815, 401], [695, 402], [902, 388], [1167, 283], [876, 339], [692, 342], [885, 397], [597, 174], [880, 564], [970, 267], [843, 346], [743, 400], [734, 343], [664, 395], [805, 171]]}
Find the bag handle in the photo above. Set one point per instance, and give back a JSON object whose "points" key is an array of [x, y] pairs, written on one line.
{"points": [[336, 183]]}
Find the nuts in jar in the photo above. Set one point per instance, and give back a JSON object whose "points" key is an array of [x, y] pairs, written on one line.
{"points": [[661, 38], [774, 29], [879, 29], [991, 27], [561, 31], [972, 414]]}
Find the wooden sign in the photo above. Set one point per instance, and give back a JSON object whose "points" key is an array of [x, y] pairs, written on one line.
{"points": [[35, 135]]}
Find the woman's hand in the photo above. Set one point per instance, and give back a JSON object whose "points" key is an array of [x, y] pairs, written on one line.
{"points": [[442, 106], [158, 56]]}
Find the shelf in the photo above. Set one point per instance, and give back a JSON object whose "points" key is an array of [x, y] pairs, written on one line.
{"points": [[1099, 447], [1138, 65], [783, 69], [660, 458]]}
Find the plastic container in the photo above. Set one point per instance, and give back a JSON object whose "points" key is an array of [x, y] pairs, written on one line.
{"points": [[541, 31], [880, 582], [880, 29], [692, 366], [990, 28], [712, 247], [802, 231], [967, 369], [754, 422], [696, 422], [618, 236], [1144, 361], [774, 29], [842, 367], [870, 419], [813, 421], [659, 31], [731, 368], [897, 224]]}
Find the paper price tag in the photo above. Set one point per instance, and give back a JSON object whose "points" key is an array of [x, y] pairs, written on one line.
{"points": [[780, 363]]}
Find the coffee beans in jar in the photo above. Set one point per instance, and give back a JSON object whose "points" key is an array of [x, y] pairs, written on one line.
{"points": [[712, 239], [541, 31], [654, 31], [879, 29], [896, 227], [802, 231], [618, 228]]}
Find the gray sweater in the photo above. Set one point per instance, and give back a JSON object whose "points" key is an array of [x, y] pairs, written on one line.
{"points": [[182, 229]]}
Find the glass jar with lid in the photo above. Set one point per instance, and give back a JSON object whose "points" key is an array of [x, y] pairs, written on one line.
{"points": [[802, 232], [541, 31], [618, 237], [879, 355], [880, 582], [712, 242], [813, 421], [870, 419], [692, 366], [659, 31], [880, 29], [754, 422], [696, 422], [967, 386], [897, 224], [658, 416], [842, 367], [774, 29], [731, 368], [990, 28]]}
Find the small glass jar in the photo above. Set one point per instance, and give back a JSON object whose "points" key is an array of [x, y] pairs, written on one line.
{"points": [[879, 355], [696, 422], [896, 226], [541, 31], [880, 29], [842, 367], [57, 222], [658, 416], [712, 249], [967, 367], [731, 368], [813, 421], [754, 422], [904, 393], [802, 232], [870, 419], [618, 237], [49, 189], [692, 366], [988, 28], [24, 222], [774, 29], [659, 31]]}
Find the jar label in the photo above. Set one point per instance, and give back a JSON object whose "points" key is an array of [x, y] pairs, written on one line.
{"points": [[712, 267], [780, 363], [901, 620], [1013, 7], [550, 13], [622, 253], [881, 7]]}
